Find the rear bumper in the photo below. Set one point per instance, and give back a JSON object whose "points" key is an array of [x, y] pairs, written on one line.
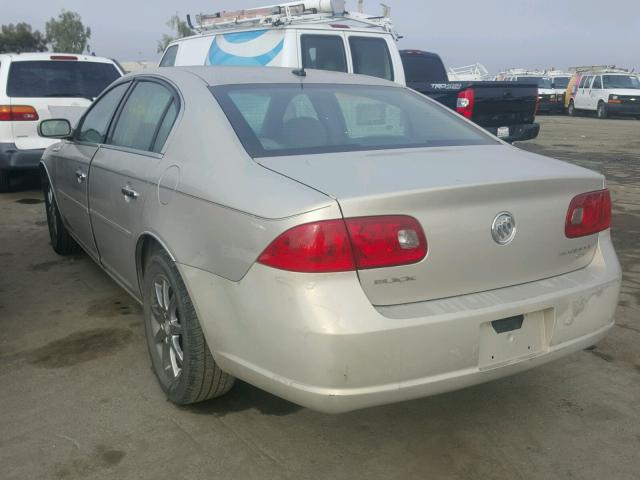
{"points": [[317, 340], [631, 109], [13, 159], [518, 133]]}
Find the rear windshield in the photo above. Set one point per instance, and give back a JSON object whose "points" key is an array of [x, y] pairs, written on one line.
{"points": [[294, 119], [59, 79], [424, 68], [621, 81]]}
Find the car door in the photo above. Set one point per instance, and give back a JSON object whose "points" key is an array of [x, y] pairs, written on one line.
{"points": [[595, 94], [582, 97], [124, 174], [72, 165]]}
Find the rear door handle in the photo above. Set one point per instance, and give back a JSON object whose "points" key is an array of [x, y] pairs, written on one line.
{"points": [[129, 193], [80, 175]]}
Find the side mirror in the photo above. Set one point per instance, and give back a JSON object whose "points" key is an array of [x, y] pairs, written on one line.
{"points": [[55, 128]]}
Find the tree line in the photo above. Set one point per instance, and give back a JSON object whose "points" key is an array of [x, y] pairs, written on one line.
{"points": [[67, 34]]}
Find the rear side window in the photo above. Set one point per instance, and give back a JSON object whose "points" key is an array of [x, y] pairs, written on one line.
{"points": [[58, 78], [169, 58], [371, 57], [323, 52], [94, 125], [141, 117], [424, 68]]}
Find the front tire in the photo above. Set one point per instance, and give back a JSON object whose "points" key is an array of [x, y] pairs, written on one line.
{"points": [[571, 110], [180, 356], [601, 112], [61, 240], [4, 181]]}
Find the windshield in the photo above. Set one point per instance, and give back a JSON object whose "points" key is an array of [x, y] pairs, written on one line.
{"points": [[621, 81], [561, 82], [294, 119], [41, 79], [543, 82]]}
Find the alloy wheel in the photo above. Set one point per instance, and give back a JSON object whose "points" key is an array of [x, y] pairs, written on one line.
{"points": [[167, 329]]}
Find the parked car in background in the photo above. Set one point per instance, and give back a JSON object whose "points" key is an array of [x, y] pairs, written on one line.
{"points": [[507, 110], [559, 83], [328, 238], [548, 99], [37, 86], [604, 91]]}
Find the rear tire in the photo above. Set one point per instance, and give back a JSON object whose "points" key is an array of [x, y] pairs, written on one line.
{"points": [[571, 109], [61, 240], [4, 181], [180, 356], [601, 112]]}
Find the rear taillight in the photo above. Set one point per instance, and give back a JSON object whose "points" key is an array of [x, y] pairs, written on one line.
{"points": [[466, 102], [588, 213], [346, 245], [18, 113]]}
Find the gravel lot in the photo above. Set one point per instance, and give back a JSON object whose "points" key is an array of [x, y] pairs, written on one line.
{"points": [[79, 401]]}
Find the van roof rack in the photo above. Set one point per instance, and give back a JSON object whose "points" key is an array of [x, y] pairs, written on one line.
{"points": [[476, 71], [307, 11], [522, 72], [598, 69]]}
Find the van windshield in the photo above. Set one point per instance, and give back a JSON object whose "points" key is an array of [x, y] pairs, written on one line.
{"points": [[72, 79], [621, 81], [294, 119], [542, 82], [561, 82]]}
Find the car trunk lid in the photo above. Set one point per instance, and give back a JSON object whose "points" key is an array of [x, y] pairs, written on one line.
{"points": [[456, 193]]}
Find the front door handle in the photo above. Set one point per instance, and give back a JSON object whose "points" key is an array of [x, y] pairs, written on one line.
{"points": [[80, 175], [129, 193]]}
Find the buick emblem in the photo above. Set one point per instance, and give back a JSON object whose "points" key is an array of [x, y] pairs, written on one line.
{"points": [[503, 228]]}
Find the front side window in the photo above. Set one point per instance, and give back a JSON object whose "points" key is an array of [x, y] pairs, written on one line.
{"points": [[323, 52], [321, 118], [141, 116], [371, 57], [94, 125], [169, 58], [597, 83], [59, 78]]}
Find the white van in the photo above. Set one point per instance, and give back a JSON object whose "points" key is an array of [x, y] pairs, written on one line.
{"points": [[37, 86], [548, 99], [605, 92], [316, 34]]}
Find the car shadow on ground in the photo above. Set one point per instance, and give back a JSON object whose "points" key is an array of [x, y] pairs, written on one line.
{"points": [[244, 397], [22, 181]]}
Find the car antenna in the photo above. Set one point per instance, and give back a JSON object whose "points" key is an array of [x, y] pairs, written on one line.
{"points": [[299, 72]]}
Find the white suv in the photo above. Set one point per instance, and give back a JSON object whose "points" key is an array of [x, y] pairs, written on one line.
{"points": [[37, 86], [605, 93]]}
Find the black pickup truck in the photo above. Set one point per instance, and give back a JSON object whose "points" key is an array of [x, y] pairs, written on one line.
{"points": [[506, 109]]}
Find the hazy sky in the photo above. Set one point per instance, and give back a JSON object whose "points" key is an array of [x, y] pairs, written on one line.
{"points": [[497, 33]]}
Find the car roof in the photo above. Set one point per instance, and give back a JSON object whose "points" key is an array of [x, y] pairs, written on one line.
{"points": [[223, 75], [43, 56]]}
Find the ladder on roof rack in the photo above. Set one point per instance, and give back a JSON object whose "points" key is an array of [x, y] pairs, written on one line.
{"points": [[307, 11], [598, 69]]}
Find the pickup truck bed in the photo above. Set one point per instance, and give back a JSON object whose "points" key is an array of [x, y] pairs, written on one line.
{"points": [[505, 109]]}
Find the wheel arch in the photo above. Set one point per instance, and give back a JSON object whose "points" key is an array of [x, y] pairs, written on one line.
{"points": [[147, 241]]}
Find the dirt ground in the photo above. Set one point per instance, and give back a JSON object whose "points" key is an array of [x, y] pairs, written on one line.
{"points": [[78, 399]]}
